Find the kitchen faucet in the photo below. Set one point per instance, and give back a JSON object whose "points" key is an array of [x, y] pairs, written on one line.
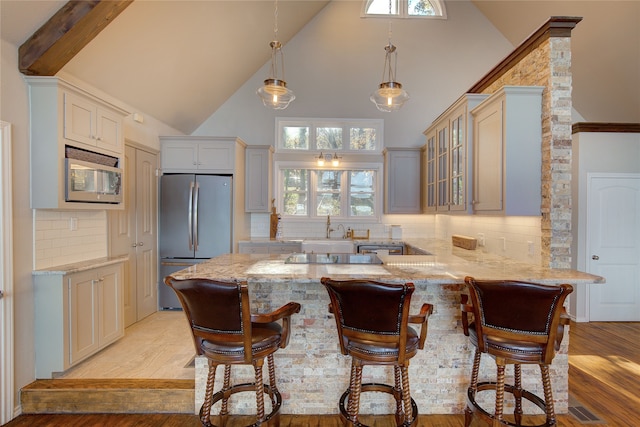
{"points": [[329, 229]]}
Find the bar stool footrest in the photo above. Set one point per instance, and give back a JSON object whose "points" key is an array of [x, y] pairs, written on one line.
{"points": [[383, 388], [475, 407], [274, 395]]}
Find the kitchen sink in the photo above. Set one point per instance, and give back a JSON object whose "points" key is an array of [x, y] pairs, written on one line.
{"points": [[332, 258], [327, 246]]}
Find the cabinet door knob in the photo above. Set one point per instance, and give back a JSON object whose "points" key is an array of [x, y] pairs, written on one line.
{"points": [[141, 244], [595, 257], [134, 245]]}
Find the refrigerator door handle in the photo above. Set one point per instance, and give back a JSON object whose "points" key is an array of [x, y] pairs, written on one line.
{"points": [[195, 216], [190, 215]]}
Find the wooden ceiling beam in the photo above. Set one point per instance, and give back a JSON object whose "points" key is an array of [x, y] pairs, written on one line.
{"points": [[69, 30]]}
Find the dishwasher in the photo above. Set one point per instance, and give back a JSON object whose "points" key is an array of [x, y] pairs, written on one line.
{"points": [[394, 249]]}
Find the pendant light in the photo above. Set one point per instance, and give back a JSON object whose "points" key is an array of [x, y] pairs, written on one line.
{"points": [[389, 96], [274, 93]]}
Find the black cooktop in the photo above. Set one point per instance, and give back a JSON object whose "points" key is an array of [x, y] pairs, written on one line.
{"points": [[332, 258]]}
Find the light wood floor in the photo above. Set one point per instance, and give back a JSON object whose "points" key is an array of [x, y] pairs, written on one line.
{"points": [[604, 376], [157, 347]]}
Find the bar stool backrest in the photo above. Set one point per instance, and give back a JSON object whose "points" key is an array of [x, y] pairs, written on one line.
{"points": [[217, 311], [514, 311], [370, 310]]}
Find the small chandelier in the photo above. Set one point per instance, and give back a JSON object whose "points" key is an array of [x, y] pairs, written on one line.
{"points": [[275, 93], [326, 158], [389, 96]]}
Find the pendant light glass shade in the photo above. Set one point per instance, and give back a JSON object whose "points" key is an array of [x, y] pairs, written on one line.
{"points": [[390, 96], [275, 93]]}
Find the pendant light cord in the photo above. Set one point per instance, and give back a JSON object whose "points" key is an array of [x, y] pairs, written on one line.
{"points": [[390, 50], [275, 20], [390, 22]]}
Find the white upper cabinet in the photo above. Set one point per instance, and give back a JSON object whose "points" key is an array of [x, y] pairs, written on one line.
{"points": [[507, 152], [401, 187], [90, 124], [200, 153], [258, 171], [63, 115], [447, 160]]}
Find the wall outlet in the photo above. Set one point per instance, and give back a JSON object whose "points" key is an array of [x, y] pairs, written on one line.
{"points": [[73, 224], [531, 248], [481, 241], [504, 243]]}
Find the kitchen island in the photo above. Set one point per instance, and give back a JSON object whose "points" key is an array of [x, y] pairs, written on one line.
{"points": [[312, 374]]}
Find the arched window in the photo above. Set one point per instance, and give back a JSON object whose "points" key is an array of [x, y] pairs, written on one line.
{"points": [[405, 8]]}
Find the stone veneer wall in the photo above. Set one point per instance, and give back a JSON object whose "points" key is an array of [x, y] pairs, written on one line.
{"points": [[548, 63]]}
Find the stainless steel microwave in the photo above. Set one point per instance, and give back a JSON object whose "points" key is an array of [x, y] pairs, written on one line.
{"points": [[91, 182]]}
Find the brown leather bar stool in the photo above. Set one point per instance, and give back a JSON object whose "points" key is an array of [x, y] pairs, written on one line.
{"points": [[515, 323], [227, 333], [372, 320]]}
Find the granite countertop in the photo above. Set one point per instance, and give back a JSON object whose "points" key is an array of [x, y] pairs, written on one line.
{"points": [[445, 264], [77, 267]]}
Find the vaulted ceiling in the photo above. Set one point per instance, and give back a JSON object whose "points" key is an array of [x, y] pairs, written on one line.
{"points": [[171, 59]]}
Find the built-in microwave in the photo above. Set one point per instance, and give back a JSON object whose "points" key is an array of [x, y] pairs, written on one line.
{"points": [[91, 182]]}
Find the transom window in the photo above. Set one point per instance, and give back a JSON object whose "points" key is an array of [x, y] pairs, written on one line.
{"points": [[339, 135], [405, 8]]}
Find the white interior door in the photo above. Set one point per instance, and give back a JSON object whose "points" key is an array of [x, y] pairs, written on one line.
{"points": [[146, 231], [133, 232], [613, 246], [6, 278]]}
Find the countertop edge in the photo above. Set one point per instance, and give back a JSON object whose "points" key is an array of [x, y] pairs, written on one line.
{"points": [[445, 265], [79, 266]]}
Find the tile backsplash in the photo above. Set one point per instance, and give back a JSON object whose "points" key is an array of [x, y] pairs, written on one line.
{"points": [[413, 225], [64, 237], [514, 237]]}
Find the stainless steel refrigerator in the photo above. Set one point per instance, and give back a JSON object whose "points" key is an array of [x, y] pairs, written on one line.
{"points": [[196, 214]]}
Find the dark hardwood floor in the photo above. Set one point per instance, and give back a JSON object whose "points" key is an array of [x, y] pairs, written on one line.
{"points": [[604, 376]]}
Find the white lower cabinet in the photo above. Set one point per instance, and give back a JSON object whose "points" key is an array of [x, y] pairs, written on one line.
{"points": [[77, 315]]}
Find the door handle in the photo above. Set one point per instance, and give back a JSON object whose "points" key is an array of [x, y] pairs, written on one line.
{"points": [[195, 215], [190, 215], [595, 257]]}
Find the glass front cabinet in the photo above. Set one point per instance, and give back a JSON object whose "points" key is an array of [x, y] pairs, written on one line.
{"points": [[447, 158]]}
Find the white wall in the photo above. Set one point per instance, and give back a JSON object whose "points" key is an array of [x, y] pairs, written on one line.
{"points": [[601, 152], [335, 62], [14, 109]]}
